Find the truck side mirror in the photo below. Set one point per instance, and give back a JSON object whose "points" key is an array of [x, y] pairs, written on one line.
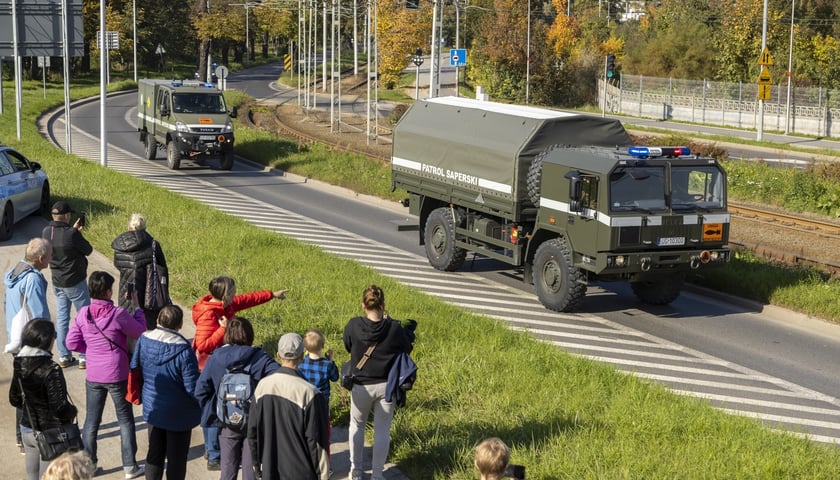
{"points": [[233, 112], [164, 110], [575, 204]]}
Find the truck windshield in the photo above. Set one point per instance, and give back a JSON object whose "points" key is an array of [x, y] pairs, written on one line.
{"points": [[697, 187], [637, 189], [199, 103]]}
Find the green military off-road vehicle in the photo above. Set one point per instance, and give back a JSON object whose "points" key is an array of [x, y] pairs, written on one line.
{"points": [[188, 118], [563, 195]]}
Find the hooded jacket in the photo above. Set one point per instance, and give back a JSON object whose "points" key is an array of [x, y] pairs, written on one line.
{"points": [[170, 373], [101, 331], [70, 250], [44, 389], [209, 335], [390, 338], [132, 254], [229, 356], [24, 280]]}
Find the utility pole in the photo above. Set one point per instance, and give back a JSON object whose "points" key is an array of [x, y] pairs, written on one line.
{"points": [[528, 59], [790, 68], [760, 134], [433, 53]]}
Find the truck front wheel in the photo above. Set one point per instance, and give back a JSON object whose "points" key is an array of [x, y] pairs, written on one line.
{"points": [[226, 160], [659, 291], [173, 156], [151, 146], [559, 285], [439, 236]]}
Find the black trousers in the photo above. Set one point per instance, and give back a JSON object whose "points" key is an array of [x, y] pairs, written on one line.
{"points": [[170, 449]]}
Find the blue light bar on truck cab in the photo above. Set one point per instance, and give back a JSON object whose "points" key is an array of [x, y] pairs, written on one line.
{"points": [[652, 152]]}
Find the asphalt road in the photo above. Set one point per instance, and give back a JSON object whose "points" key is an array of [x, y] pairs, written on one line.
{"points": [[748, 358]]}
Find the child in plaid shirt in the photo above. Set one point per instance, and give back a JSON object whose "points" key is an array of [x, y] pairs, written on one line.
{"points": [[320, 371]]}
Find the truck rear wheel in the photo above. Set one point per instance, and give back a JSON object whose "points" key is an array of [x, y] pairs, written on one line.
{"points": [[173, 156], [151, 146], [226, 160], [439, 236], [659, 291], [558, 284]]}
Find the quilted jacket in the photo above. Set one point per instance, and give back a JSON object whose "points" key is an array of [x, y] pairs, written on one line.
{"points": [[44, 388]]}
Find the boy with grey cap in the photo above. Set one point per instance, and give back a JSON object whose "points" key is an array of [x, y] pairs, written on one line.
{"points": [[287, 425]]}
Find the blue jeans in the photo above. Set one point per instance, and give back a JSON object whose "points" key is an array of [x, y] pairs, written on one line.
{"points": [[211, 443], [96, 393], [77, 295]]}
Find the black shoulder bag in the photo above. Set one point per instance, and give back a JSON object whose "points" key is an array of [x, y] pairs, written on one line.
{"points": [[348, 373], [52, 442]]}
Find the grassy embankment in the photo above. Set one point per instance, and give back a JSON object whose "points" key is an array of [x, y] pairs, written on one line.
{"points": [[565, 417]]}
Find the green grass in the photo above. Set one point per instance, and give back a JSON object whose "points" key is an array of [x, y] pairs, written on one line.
{"points": [[564, 417]]}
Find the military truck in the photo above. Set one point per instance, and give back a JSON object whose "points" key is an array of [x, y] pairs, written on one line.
{"points": [[564, 196], [188, 118]]}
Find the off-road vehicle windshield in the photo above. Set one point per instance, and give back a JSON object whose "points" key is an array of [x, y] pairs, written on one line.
{"points": [[198, 103], [637, 189]]}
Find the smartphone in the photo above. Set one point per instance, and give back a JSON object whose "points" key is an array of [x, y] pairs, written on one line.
{"points": [[82, 219], [129, 290], [516, 472]]}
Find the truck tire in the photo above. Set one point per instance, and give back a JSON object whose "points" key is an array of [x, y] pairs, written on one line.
{"points": [[173, 156], [660, 291], [558, 284], [151, 146], [535, 176], [226, 160], [439, 236]]}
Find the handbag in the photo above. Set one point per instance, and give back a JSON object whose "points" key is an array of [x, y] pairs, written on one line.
{"points": [[134, 389], [52, 442], [348, 373], [155, 296], [19, 321]]}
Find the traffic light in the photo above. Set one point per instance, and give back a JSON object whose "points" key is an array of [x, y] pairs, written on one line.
{"points": [[412, 4], [610, 65]]}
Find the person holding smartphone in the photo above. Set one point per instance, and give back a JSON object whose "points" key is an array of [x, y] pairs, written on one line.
{"points": [[69, 273], [134, 251]]}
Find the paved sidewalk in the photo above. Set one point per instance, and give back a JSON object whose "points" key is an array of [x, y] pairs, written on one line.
{"points": [[11, 252]]}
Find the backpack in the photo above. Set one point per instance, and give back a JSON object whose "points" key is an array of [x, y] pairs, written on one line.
{"points": [[233, 400]]}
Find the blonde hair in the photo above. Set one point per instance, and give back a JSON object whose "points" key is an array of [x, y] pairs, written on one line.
{"points": [[313, 341], [491, 458], [137, 222], [70, 466]]}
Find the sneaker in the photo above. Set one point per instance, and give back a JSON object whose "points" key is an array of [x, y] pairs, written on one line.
{"points": [[213, 466], [65, 362], [82, 364], [135, 472]]}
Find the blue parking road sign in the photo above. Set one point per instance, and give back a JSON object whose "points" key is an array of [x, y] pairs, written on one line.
{"points": [[458, 57]]}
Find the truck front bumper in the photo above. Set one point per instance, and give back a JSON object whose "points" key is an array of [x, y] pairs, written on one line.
{"points": [[653, 262], [203, 144]]}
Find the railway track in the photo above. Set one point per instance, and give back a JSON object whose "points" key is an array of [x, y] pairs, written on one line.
{"points": [[796, 225]]}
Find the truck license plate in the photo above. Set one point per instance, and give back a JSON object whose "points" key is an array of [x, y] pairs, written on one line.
{"points": [[670, 241], [207, 137]]}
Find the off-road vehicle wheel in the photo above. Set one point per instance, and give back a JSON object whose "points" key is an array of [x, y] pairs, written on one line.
{"points": [[559, 286], [439, 236], [659, 291], [151, 146], [534, 178], [226, 160], [173, 156]]}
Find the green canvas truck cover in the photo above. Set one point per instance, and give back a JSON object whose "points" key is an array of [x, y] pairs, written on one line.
{"points": [[488, 146]]}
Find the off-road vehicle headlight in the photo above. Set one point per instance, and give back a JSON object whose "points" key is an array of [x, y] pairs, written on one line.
{"points": [[228, 127], [181, 127]]}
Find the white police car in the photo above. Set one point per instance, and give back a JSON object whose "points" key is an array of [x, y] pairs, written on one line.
{"points": [[24, 189]]}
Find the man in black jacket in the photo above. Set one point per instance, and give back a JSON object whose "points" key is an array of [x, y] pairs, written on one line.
{"points": [[69, 274]]}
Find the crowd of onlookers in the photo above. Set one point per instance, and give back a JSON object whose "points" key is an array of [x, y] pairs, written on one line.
{"points": [[261, 417]]}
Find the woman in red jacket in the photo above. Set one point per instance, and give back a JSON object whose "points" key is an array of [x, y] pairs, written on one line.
{"points": [[210, 316]]}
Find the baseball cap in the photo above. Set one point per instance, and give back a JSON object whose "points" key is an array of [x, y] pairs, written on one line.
{"points": [[60, 208], [290, 346]]}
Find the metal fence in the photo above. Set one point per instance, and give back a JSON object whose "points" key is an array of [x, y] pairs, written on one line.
{"points": [[811, 111]]}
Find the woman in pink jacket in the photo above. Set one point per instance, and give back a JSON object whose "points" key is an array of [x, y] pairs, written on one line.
{"points": [[101, 331]]}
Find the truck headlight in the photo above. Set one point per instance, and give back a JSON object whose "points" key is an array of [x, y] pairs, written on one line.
{"points": [[617, 261], [181, 127], [228, 127]]}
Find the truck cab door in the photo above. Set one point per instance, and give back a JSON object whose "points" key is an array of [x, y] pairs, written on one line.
{"points": [[583, 218]]}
